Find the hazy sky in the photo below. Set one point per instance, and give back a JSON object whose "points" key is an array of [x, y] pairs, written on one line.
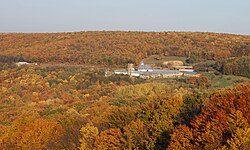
{"points": [[229, 16]]}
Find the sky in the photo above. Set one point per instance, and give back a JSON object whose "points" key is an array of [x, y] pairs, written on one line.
{"points": [[223, 16]]}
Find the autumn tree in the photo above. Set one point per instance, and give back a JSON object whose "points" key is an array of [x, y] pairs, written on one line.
{"points": [[110, 139], [89, 134]]}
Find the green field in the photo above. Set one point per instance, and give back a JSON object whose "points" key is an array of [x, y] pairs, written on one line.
{"points": [[224, 81]]}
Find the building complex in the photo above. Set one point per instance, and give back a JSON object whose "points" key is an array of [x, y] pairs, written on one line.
{"points": [[146, 71]]}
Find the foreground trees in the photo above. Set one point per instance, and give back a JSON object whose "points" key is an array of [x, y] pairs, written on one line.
{"points": [[30, 133], [223, 124], [76, 108]]}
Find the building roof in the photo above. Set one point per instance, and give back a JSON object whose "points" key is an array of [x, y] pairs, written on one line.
{"points": [[165, 71], [144, 67], [187, 72], [156, 71]]}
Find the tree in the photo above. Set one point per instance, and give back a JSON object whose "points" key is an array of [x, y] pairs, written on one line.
{"points": [[89, 134], [110, 139], [181, 139], [137, 136]]}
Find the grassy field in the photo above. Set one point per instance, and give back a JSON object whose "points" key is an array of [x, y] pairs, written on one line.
{"points": [[216, 81], [224, 81]]}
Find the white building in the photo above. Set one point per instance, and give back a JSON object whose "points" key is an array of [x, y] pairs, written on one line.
{"points": [[25, 63], [135, 73], [121, 71]]}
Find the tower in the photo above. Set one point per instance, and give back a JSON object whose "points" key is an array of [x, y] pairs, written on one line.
{"points": [[130, 68]]}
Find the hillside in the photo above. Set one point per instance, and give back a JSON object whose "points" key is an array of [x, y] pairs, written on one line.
{"points": [[72, 107], [119, 48]]}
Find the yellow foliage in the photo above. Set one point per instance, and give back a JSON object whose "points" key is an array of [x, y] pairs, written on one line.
{"points": [[31, 134], [240, 139], [89, 134]]}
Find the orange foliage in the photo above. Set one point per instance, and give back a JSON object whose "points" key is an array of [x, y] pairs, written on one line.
{"points": [[216, 124], [28, 133], [118, 48]]}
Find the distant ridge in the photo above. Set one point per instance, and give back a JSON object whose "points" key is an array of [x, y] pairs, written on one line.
{"points": [[119, 47]]}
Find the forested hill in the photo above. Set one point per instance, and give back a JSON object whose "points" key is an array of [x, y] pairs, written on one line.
{"points": [[61, 105], [119, 48]]}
